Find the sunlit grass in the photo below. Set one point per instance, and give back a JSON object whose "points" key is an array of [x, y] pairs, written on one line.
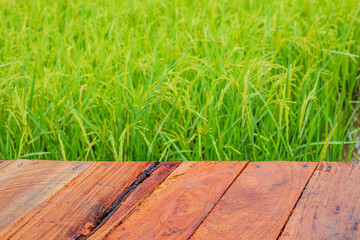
{"points": [[179, 80]]}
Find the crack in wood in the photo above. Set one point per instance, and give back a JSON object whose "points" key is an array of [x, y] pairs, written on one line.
{"points": [[103, 216]]}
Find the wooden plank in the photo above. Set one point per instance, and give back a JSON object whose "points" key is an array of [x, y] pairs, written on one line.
{"points": [[5, 163], [258, 203], [180, 204], [78, 208], [24, 184], [134, 199], [329, 208]]}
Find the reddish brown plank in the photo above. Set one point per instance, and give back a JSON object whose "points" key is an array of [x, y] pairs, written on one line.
{"points": [[329, 208], [180, 204], [258, 203], [24, 184], [134, 199], [76, 209]]}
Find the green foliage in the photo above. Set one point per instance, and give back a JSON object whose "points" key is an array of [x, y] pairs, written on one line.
{"points": [[178, 79]]}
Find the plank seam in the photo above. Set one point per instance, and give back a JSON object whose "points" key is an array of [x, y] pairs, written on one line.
{"points": [[297, 201], [37, 209], [122, 197], [138, 205], [246, 164]]}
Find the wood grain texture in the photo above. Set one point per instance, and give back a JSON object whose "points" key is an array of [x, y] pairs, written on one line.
{"points": [[24, 184], [258, 203], [76, 208], [180, 204], [329, 208], [134, 199], [5, 163]]}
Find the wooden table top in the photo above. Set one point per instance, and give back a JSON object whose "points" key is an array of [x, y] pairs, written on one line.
{"points": [[173, 200]]}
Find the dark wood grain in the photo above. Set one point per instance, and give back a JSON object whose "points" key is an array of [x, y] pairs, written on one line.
{"points": [[329, 208], [24, 184], [76, 208], [180, 204], [134, 199], [258, 203]]}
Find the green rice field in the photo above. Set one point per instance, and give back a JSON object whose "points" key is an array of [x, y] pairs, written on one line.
{"points": [[179, 80]]}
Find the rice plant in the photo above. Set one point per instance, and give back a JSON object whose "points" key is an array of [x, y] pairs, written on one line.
{"points": [[179, 80]]}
